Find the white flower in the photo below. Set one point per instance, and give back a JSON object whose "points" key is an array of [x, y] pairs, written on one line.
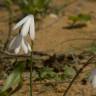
{"points": [[18, 43], [92, 78], [28, 26]]}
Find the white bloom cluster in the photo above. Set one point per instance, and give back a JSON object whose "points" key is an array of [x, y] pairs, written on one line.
{"points": [[27, 27]]}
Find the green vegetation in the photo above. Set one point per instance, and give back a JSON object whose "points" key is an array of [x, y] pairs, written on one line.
{"points": [[13, 80], [92, 48], [80, 18], [49, 73], [34, 6]]}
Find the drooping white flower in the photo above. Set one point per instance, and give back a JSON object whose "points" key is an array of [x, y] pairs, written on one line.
{"points": [[92, 78], [28, 26], [19, 43]]}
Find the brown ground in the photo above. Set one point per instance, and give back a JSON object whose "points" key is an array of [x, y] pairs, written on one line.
{"points": [[49, 39]]}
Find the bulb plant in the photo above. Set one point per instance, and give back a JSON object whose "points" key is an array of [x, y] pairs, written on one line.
{"points": [[18, 43]]}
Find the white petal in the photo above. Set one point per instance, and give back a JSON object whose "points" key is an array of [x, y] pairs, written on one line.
{"points": [[24, 47], [15, 42], [29, 47], [21, 22], [32, 28], [90, 78], [12, 43], [25, 28], [17, 50], [94, 82]]}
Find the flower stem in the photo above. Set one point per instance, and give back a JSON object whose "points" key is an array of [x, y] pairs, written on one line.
{"points": [[31, 80], [31, 69]]}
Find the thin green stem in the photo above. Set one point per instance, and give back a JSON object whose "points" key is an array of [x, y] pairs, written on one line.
{"points": [[31, 69]]}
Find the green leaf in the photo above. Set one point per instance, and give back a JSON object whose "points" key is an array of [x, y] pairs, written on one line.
{"points": [[84, 17], [69, 72], [13, 79], [80, 17], [47, 73], [73, 18]]}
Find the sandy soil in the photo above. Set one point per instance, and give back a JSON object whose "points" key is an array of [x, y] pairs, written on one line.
{"points": [[53, 37]]}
